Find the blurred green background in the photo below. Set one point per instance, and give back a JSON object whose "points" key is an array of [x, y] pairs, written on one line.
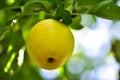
{"points": [[95, 25]]}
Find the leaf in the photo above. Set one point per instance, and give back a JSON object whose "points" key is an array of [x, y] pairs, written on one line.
{"points": [[101, 8], [64, 15], [59, 12], [67, 19], [88, 3], [4, 29], [76, 23], [7, 4], [116, 50], [106, 9], [34, 7]]}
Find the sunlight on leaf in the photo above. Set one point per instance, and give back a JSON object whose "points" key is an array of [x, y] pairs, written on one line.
{"points": [[9, 2], [10, 47], [60, 70], [8, 65], [15, 25], [21, 57], [41, 15]]}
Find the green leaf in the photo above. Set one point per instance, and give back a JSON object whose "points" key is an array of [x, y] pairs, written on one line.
{"points": [[59, 13], [116, 50], [101, 8], [88, 3], [67, 18], [76, 23], [5, 4], [106, 9], [64, 15], [4, 29], [34, 7]]}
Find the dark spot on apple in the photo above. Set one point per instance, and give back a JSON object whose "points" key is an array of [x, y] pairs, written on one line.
{"points": [[51, 60]]}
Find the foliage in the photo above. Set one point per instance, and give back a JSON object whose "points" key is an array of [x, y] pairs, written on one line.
{"points": [[18, 16]]}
